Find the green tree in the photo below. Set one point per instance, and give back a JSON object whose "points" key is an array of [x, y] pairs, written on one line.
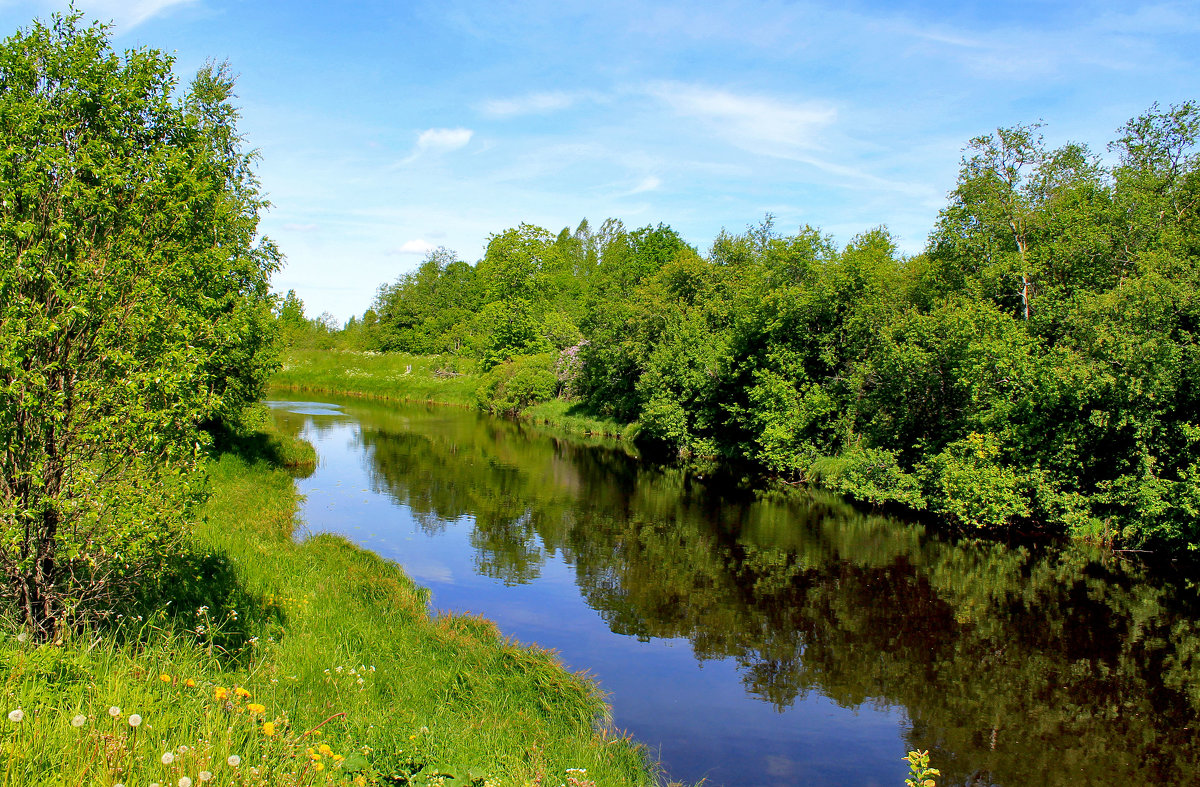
{"points": [[133, 306]]}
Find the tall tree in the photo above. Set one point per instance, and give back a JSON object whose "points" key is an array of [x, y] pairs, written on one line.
{"points": [[133, 306]]}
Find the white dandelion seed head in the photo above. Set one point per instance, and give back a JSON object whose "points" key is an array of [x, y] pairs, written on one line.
{"points": [[135, 720], [16, 715], [79, 720], [168, 758], [234, 760], [114, 711], [184, 781], [205, 776], [22, 637]]}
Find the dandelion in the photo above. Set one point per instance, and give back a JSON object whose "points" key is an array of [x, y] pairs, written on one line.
{"points": [[318, 766], [135, 720], [79, 721], [205, 776], [240, 692], [22, 638], [324, 749], [16, 716], [184, 781], [254, 707], [269, 729], [189, 683], [114, 711], [168, 758], [233, 760], [221, 692], [165, 678]]}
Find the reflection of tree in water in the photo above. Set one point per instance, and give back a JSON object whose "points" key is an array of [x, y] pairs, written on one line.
{"points": [[1014, 665]]}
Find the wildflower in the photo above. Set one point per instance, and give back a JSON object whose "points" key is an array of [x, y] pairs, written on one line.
{"points": [[16, 715], [114, 711], [233, 760], [205, 776], [269, 729], [168, 758], [22, 638], [221, 692], [189, 683], [202, 611], [240, 692], [318, 766], [165, 678], [324, 749], [254, 707], [79, 721], [184, 781]]}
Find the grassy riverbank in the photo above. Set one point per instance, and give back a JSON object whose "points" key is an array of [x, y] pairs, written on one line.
{"points": [[441, 379], [261, 660]]}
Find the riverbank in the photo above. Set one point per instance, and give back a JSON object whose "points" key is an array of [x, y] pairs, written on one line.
{"points": [[263, 660], [438, 379]]}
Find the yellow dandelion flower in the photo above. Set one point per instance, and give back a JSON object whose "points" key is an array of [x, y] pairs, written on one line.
{"points": [[269, 729], [319, 766], [221, 692], [165, 678], [254, 707], [324, 749], [189, 683], [240, 692]]}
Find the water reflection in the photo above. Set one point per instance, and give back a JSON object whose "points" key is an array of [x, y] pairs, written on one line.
{"points": [[1016, 666]]}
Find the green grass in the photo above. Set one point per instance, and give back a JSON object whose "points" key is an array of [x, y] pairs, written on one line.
{"points": [[332, 641], [441, 379], [424, 378]]}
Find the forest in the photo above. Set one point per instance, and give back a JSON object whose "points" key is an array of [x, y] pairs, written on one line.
{"points": [[1035, 367]]}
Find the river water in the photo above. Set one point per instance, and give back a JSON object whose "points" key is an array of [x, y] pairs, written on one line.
{"points": [[770, 639]]}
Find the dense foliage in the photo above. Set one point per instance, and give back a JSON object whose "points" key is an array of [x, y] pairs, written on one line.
{"points": [[1037, 364], [134, 306]]}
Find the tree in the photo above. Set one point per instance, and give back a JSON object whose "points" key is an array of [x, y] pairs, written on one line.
{"points": [[134, 307]]}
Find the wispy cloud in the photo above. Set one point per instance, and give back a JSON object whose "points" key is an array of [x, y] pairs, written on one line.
{"points": [[439, 140], [530, 104], [651, 183], [129, 14], [758, 124], [300, 227]]}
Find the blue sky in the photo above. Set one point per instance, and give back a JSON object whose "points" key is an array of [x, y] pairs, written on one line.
{"points": [[390, 128]]}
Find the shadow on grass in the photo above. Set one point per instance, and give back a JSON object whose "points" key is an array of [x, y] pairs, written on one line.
{"points": [[203, 594], [296, 455]]}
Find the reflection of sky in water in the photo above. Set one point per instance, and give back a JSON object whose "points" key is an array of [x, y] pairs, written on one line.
{"points": [[307, 408], [696, 715]]}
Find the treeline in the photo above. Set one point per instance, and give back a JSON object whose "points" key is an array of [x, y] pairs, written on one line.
{"points": [[1036, 365]]}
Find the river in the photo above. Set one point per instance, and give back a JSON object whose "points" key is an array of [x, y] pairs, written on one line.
{"points": [[765, 638]]}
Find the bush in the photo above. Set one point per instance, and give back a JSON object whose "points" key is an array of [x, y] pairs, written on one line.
{"points": [[512, 386]]}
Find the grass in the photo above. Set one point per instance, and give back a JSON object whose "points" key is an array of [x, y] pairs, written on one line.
{"points": [[425, 378], [440, 379], [307, 663]]}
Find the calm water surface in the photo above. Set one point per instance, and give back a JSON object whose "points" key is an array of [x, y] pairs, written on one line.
{"points": [[755, 640]]}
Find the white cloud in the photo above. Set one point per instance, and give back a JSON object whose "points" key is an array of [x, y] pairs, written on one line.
{"points": [[438, 140], [531, 104], [129, 14], [417, 246], [758, 124], [443, 140], [647, 184]]}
